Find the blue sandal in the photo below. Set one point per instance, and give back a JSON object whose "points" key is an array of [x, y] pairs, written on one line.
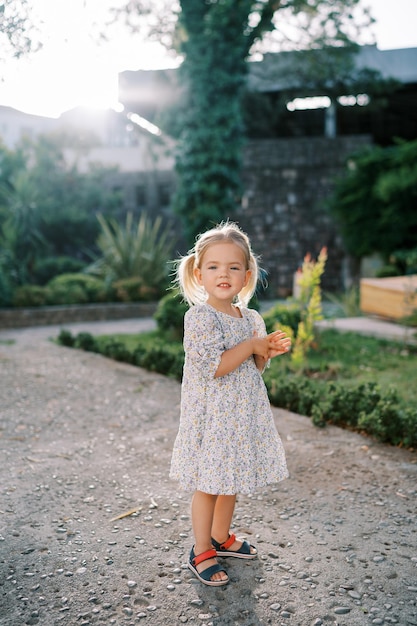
{"points": [[205, 575], [244, 552]]}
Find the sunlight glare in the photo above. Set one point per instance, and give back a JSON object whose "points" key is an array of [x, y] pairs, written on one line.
{"points": [[71, 70]]}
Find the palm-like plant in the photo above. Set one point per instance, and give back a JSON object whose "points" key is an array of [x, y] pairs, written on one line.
{"points": [[134, 250], [20, 233]]}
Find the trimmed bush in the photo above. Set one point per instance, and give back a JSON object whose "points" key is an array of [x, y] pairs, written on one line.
{"points": [[293, 393], [134, 290], [169, 315], [116, 350], [65, 338], [164, 359], [30, 296], [85, 341], [77, 289], [46, 269]]}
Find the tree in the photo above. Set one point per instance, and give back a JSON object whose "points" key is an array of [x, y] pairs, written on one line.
{"points": [[216, 38], [22, 236], [16, 29], [375, 202], [47, 209]]}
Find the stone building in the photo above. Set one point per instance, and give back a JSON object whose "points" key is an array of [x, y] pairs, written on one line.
{"points": [[288, 175]]}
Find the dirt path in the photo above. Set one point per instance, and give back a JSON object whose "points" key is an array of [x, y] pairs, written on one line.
{"points": [[85, 439]]}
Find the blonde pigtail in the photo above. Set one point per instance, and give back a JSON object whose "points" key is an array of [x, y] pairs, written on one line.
{"points": [[250, 288], [190, 289]]}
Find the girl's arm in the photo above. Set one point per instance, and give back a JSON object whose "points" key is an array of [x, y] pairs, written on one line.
{"points": [[232, 358], [262, 348]]}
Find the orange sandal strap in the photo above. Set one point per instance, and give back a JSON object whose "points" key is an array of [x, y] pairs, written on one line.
{"points": [[226, 545], [204, 556]]}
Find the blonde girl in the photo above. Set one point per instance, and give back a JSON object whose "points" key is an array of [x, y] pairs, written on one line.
{"points": [[227, 442]]}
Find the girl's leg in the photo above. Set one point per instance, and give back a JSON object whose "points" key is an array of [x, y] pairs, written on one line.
{"points": [[222, 520], [202, 511]]}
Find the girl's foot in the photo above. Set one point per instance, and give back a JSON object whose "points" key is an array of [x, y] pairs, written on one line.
{"points": [[235, 547], [212, 574]]}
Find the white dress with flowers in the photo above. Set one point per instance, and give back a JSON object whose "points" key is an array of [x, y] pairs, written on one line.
{"points": [[227, 442]]}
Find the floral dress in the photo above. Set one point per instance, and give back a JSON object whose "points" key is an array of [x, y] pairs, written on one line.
{"points": [[227, 442]]}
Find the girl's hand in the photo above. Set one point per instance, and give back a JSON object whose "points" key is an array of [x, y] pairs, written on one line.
{"points": [[260, 346], [279, 343]]}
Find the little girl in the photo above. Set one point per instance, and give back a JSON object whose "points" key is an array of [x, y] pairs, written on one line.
{"points": [[227, 441]]}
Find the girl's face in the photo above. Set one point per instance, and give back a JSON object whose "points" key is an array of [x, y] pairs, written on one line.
{"points": [[222, 273]]}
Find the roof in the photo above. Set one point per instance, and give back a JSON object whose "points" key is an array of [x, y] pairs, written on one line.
{"points": [[276, 70]]}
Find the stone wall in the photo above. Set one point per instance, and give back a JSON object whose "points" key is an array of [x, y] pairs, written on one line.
{"points": [[56, 315], [286, 184]]}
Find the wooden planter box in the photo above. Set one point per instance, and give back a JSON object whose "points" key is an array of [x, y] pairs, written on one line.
{"points": [[393, 298]]}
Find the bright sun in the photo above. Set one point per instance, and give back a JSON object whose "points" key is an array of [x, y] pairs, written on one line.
{"points": [[71, 69]]}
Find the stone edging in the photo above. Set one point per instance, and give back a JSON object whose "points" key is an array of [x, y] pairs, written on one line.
{"points": [[52, 315]]}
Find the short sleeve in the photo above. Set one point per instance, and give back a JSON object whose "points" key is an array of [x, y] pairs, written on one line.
{"points": [[260, 329], [203, 340], [258, 323]]}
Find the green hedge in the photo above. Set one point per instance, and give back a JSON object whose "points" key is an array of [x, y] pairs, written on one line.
{"points": [[365, 407]]}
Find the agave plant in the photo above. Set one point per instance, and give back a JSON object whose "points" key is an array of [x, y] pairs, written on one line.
{"points": [[134, 250]]}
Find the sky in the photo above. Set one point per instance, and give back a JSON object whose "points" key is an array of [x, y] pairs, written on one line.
{"points": [[72, 70]]}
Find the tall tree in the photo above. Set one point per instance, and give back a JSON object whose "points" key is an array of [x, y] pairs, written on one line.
{"points": [[16, 29], [216, 37], [48, 208]]}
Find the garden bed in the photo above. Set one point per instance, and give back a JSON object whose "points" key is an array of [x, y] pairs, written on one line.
{"points": [[392, 298]]}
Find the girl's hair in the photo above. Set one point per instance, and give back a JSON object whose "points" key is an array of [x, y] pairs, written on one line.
{"points": [[185, 279]]}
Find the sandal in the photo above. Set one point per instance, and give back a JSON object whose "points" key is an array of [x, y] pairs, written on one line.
{"points": [[205, 575], [244, 551]]}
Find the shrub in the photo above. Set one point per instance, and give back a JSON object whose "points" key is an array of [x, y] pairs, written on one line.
{"points": [[61, 295], [30, 296], [76, 289], [169, 315], [135, 249], [116, 350], [134, 290], [85, 341], [164, 359], [293, 393], [47, 268], [6, 291], [390, 423], [65, 338], [285, 313], [386, 271], [343, 405], [364, 407]]}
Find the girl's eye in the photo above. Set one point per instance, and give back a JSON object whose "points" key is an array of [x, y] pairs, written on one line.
{"points": [[212, 267]]}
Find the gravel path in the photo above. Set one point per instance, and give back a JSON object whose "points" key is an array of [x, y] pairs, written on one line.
{"points": [[85, 440]]}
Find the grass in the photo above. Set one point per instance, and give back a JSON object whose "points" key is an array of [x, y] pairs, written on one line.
{"points": [[7, 342], [131, 341], [351, 358], [348, 358]]}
